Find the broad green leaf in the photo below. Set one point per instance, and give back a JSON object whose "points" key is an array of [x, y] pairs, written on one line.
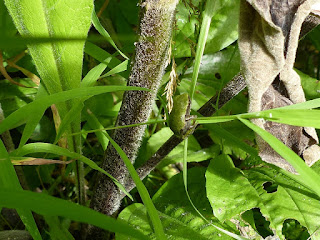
{"points": [[224, 26], [6, 25], [15, 97], [60, 63], [231, 192], [228, 190], [311, 86], [179, 218], [39, 203], [223, 29], [215, 71], [50, 148], [9, 179], [228, 140], [289, 200]]}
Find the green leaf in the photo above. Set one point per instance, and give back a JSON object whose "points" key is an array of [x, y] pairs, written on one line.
{"points": [[15, 97], [296, 117], [215, 71], [289, 200], [193, 156], [222, 32], [179, 218], [205, 25], [95, 124], [104, 33], [224, 26], [60, 63], [229, 140], [39, 203], [311, 86], [50, 148], [228, 190], [156, 222], [9, 179], [119, 68], [39, 105], [57, 231], [307, 176]]}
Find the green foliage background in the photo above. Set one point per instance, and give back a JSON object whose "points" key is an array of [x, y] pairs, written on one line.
{"points": [[85, 77]]}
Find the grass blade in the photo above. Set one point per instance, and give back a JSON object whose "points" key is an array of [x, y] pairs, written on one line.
{"points": [[39, 105], [310, 178], [154, 216], [50, 148], [96, 23], [50, 206], [9, 179]]}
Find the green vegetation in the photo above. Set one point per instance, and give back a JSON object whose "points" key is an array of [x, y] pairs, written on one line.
{"points": [[64, 66]]}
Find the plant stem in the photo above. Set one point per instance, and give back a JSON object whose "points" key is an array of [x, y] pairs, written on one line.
{"points": [[233, 88], [207, 16], [150, 61]]}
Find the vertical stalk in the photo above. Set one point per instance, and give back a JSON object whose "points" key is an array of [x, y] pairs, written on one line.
{"points": [[150, 61], [207, 16]]}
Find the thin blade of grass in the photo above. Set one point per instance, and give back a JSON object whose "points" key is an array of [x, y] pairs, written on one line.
{"points": [[119, 68], [296, 117], [206, 21], [315, 103], [95, 124], [96, 23], [9, 179], [54, 149], [50, 206], [308, 176], [185, 182], [88, 81], [154, 216], [39, 105]]}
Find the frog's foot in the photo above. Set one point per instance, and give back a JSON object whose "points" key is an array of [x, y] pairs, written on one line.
{"points": [[191, 117]]}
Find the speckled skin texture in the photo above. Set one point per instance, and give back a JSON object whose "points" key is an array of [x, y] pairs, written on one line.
{"points": [[151, 54]]}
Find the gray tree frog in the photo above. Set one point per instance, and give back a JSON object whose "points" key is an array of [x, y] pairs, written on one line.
{"points": [[179, 118]]}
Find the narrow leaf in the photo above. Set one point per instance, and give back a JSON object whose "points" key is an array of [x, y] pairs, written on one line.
{"points": [[47, 205]]}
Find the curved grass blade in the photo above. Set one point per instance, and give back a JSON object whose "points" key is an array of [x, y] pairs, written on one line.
{"points": [[39, 105], [95, 124], [154, 216], [310, 178], [9, 179], [207, 16], [185, 182], [50, 206], [54, 149], [119, 68], [96, 23]]}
